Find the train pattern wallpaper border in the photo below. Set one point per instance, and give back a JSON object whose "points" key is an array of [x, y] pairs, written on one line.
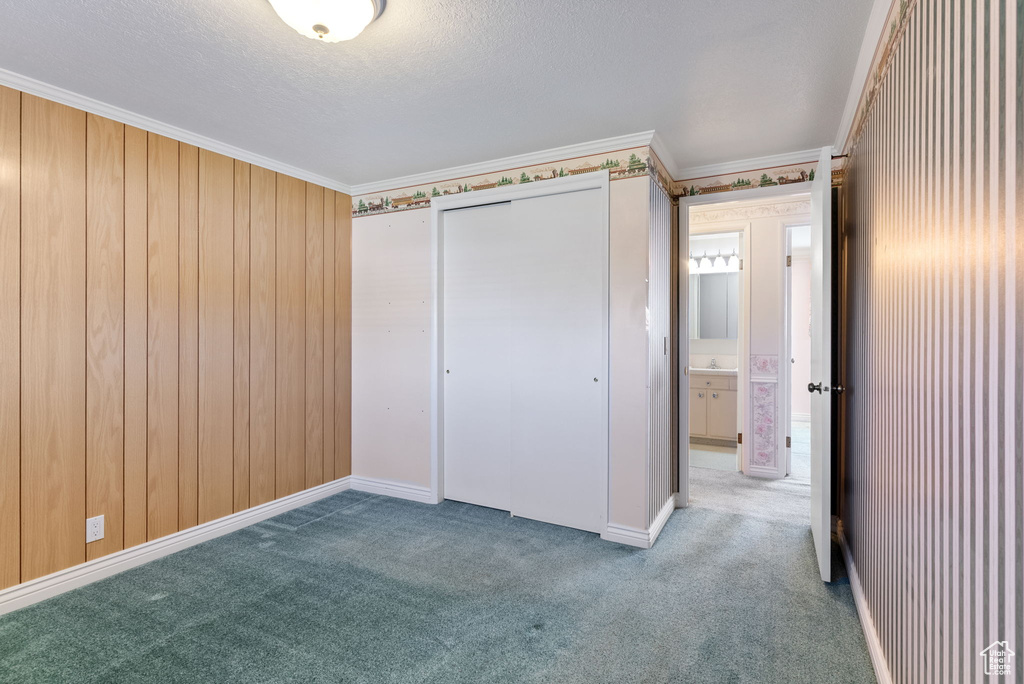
{"points": [[629, 163]]}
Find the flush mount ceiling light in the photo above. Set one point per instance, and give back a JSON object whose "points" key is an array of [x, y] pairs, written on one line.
{"points": [[330, 21]]}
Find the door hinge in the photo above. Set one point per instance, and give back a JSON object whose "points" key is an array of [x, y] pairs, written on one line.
{"points": [[789, 442], [789, 260], [739, 438], [741, 264]]}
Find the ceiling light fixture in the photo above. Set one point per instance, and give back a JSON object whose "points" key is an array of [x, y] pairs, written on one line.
{"points": [[330, 21]]}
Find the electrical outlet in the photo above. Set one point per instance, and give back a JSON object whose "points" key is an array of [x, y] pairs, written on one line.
{"points": [[93, 529]]}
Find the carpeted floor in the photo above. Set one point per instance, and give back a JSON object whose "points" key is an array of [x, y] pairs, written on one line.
{"points": [[364, 588], [785, 500]]}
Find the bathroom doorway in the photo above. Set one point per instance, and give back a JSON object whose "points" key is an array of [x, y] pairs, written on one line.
{"points": [[746, 431], [715, 317]]}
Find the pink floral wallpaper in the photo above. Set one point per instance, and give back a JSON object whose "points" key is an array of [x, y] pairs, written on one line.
{"points": [[766, 365], [763, 420]]}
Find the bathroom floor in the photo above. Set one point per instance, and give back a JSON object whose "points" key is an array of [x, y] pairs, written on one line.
{"points": [[787, 499]]}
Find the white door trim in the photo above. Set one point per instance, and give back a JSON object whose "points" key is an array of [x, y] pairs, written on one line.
{"points": [[683, 402], [438, 205]]}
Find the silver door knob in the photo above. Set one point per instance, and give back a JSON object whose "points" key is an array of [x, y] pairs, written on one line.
{"points": [[812, 388], [714, 395], [839, 389]]}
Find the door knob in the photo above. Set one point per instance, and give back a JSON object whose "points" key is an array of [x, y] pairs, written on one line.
{"points": [[812, 388], [839, 389]]}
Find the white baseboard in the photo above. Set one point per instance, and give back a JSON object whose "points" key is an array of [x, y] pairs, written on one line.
{"points": [[866, 621], [42, 588], [400, 490], [633, 536]]}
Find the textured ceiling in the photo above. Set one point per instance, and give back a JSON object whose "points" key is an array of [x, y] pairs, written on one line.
{"points": [[440, 83]]}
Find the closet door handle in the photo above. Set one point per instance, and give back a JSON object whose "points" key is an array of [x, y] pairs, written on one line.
{"points": [[714, 395], [700, 395]]}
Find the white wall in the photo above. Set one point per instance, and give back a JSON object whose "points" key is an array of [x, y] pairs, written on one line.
{"points": [[391, 348], [801, 331]]}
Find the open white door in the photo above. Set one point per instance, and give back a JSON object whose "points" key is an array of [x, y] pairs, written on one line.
{"points": [[821, 363]]}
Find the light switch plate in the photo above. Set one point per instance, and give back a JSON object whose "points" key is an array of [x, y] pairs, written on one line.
{"points": [[93, 529]]}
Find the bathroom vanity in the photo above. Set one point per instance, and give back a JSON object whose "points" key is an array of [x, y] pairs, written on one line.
{"points": [[713, 405]]}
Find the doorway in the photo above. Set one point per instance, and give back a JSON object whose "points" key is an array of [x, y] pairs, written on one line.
{"points": [[764, 415]]}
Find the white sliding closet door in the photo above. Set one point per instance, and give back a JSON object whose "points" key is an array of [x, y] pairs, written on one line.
{"points": [[559, 359], [477, 338]]}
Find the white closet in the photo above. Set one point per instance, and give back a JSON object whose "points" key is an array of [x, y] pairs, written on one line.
{"points": [[525, 357]]}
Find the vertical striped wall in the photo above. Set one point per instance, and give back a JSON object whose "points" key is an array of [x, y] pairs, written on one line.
{"points": [[661, 343], [174, 335], [932, 231]]}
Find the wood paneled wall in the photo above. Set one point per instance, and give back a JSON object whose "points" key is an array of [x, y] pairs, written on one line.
{"points": [[934, 487], [174, 335]]}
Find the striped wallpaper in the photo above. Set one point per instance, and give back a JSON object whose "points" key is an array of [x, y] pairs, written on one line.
{"points": [[932, 503], [661, 343]]}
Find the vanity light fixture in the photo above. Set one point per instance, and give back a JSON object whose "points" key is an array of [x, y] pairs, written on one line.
{"points": [[734, 261], [330, 21], [720, 261], [705, 262], [693, 263]]}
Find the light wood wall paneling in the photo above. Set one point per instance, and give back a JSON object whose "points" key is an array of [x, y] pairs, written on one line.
{"points": [[162, 362], [241, 335], [136, 256], [291, 334], [314, 335], [216, 335], [263, 336], [330, 457], [343, 340], [104, 453], [52, 337], [188, 335], [10, 337]]}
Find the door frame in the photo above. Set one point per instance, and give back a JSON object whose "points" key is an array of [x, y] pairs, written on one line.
{"points": [[683, 400], [595, 180]]}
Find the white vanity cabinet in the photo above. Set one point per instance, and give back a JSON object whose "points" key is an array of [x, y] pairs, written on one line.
{"points": [[713, 404]]}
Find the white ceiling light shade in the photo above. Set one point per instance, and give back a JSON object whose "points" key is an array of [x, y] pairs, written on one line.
{"points": [[330, 21]]}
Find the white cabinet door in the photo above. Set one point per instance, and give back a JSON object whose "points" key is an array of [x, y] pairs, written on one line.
{"points": [[476, 360], [560, 359]]}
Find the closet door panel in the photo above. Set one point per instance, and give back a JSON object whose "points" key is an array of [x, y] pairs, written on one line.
{"points": [[559, 402], [477, 380]]}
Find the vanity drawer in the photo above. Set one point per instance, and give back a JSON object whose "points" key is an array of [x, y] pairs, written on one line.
{"points": [[712, 382]]}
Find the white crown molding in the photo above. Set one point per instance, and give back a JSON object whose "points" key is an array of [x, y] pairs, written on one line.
{"points": [[873, 36], [88, 104], [666, 157], [33, 591], [745, 212], [554, 154], [399, 490], [867, 623], [754, 164]]}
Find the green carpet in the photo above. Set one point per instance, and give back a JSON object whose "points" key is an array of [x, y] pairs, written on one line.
{"points": [[364, 588]]}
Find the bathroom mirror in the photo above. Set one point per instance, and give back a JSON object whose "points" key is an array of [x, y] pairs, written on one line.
{"points": [[714, 285], [714, 306]]}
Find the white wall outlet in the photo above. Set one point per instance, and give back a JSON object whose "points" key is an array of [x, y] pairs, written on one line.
{"points": [[93, 529]]}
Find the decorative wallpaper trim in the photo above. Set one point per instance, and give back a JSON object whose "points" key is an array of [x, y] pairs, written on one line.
{"points": [[620, 164], [763, 403], [897, 20], [756, 178], [715, 214], [764, 366]]}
